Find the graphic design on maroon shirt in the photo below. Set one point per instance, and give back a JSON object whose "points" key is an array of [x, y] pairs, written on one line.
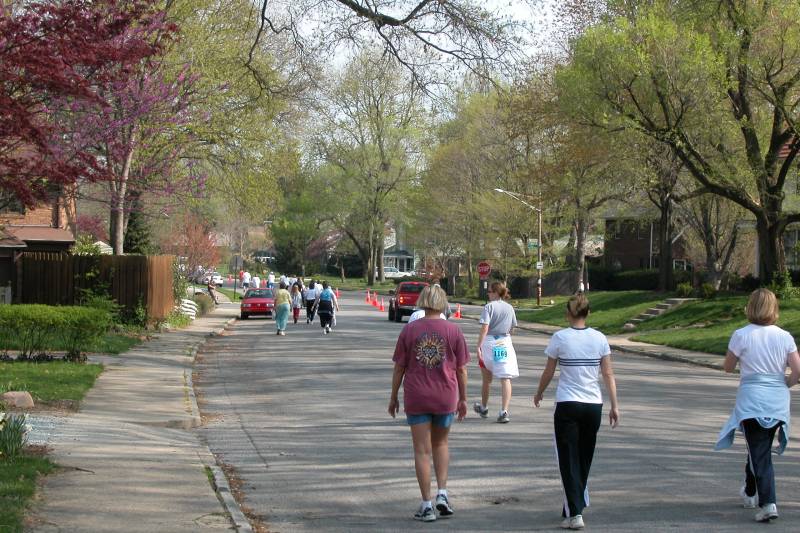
{"points": [[430, 350]]}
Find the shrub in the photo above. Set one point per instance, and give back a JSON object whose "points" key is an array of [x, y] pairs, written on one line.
{"points": [[176, 319], [708, 291], [684, 290], [103, 302], [782, 286], [204, 303], [36, 329], [13, 436], [749, 283]]}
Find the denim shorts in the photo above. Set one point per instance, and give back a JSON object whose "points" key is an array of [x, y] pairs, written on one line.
{"points": [[443, 421]]}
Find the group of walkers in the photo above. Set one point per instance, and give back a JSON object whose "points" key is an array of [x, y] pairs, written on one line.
{"points": [[319, 299], [430, 362]]}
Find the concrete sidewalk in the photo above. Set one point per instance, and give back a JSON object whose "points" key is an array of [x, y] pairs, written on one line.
{"points": [[621, 343], [129, 459]]}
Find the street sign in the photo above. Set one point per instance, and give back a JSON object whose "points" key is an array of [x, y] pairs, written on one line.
{"points": [[539, 265], [484, 269]]}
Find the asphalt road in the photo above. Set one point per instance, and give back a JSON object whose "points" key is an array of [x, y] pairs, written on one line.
{"points": [[303, 420]]}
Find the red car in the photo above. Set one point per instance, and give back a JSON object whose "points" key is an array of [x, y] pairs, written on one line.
{"points": [[257, 302], [404, 299]]}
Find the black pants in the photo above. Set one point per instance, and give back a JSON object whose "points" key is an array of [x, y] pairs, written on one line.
{"points": [[576, 425], [310, 310], [325, 313], [759, 476]]}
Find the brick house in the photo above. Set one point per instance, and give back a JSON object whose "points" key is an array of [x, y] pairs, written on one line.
{"points": [[630, 242], [48, 227]]}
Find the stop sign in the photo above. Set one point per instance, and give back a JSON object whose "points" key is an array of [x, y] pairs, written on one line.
{"points": [[484, 269]]}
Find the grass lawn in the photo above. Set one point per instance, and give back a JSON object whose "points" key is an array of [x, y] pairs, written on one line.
{"points": [[610, 310], [358, 284], [110, 343], [706, 326], [50, 381], [17, 486]]}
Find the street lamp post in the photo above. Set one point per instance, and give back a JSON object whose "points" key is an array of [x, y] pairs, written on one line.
{"points": [[516, 196]]}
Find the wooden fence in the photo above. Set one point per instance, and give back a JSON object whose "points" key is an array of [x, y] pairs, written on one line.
{"points": [[131, 280]]}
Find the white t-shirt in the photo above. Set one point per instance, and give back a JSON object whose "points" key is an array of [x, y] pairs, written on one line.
{"points": [[271, 278], [579, 352], [246, 277], [762, 349], [311, 294], [420, 313]]}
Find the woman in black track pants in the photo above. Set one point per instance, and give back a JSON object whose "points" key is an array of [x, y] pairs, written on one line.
{"points": [[583, 355]]}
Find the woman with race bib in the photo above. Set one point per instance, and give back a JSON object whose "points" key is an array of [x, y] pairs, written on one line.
{"points": [[496, 355]]}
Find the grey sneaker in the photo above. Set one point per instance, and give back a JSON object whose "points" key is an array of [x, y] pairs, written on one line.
{"points": [[503, 418], [425, 514], [748, 502], [443, 506], [480, 410], [767, 512], [573, 522]]}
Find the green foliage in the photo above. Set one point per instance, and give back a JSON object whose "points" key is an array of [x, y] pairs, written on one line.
{"points": [[17, 487], [708, 291], [32, 328], [610, 310], [782, 286], [49, 382], [103, 302], [13, 436], [84, 245], [176, 319], [138, 235], [204, 303], [684, 290]]}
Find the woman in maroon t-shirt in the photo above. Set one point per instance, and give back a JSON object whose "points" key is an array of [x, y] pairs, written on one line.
{"points": [[430, 361]]}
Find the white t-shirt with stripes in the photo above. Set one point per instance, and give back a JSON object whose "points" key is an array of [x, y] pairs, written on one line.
{"points": [[578, 352]]}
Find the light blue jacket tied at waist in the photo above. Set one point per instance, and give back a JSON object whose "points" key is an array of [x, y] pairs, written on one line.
{"points": [[764, 397]]}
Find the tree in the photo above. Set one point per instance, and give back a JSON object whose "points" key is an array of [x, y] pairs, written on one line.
{"points": [[191, 238], [717, 82], [81, 40], [370, 145], [421, 35]]}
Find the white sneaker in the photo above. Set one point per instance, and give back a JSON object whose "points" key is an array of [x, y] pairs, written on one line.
{"points": [[573, 522], [748, 502], [327, 329], [767, 513]]}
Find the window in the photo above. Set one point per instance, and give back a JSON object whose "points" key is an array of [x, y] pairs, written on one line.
{"points": [[11, 205], [643, 230]]}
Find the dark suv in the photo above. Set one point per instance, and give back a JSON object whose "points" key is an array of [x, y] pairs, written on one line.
{"points": [[404, 300]]}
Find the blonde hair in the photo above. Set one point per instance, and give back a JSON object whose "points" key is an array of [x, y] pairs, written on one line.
{"points": [[578, 306], [762, 307], [432, 297], [499, 288]]}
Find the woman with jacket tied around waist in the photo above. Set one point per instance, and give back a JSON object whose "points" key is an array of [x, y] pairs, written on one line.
{"points": [[496, 355], [763, 351], [583, 354]]}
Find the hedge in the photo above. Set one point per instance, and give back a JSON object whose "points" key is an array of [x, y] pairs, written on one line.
{"points": [[603, 279], [37, 329]]}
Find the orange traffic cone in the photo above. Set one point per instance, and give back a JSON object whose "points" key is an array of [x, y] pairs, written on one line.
{"points": [[382, 308], [458, 311], [368, 299], [375, 300]]}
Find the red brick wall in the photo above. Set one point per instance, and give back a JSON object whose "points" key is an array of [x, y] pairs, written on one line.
{"points": [[38, 216]]}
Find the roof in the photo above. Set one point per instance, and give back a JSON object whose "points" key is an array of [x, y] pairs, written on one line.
{"points": [[40, 234], [7, 240], [393, 252]]}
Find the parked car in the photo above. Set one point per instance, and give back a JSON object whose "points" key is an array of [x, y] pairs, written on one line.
{"points": [[215, 278], [404, 299], [392, 273], [257, 302]]}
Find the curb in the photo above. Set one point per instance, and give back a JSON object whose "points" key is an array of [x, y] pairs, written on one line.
{"points": [[664, 356], [220, 484]]}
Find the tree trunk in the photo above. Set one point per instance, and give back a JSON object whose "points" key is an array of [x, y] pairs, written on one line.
{"points": [[379, 249], [771, 258], [665, 246], [580, 230], [571, 245], [118, 206]]}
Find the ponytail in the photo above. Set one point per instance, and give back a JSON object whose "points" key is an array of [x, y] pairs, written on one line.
{"points": [[499, 288]]}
